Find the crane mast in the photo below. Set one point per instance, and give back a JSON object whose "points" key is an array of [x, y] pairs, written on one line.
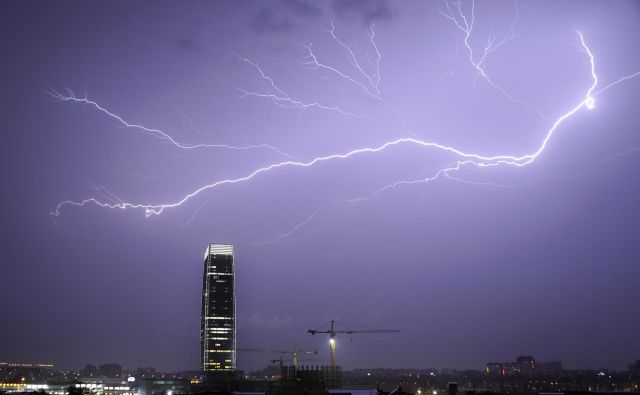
{"points": [[332, 342]]}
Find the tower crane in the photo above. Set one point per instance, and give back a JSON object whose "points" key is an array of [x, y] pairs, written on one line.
{"points": [[332, 343]]}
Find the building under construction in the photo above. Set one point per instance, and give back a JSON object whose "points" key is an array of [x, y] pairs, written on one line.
{"points": [[307, 379], [323, 376]]}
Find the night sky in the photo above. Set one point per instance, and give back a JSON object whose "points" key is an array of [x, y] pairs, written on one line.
{"points": [[480, 264]]}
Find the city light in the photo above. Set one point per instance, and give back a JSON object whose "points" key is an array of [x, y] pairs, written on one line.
{"points": [[391, 164]]}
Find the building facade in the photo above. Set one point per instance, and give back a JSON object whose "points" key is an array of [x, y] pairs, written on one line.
{"points": [[218, 321], [526, 364], [494, 369]]}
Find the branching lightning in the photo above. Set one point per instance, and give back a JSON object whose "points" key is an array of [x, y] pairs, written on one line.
{"points": [[282, 99], [192, 217], [293, 230], [503, 186], [465, 23], [478, 183], [372, 80], [71, 97], [370, 84], [484, 161], [440, 172], [616, 82], [619, 155]]}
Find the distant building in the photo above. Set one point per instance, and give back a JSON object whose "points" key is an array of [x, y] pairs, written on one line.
{"points": [[89, 371], [510, 368], [494, 369], [148, 372], [163, 387], [634, 368], [452, 388], [218, 324], [526, 364], [26, 365], [111, 370]]}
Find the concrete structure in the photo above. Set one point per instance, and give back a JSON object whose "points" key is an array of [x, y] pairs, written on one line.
{"points": [[309, 379]]}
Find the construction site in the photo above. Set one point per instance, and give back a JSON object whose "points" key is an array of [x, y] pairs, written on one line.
{"points": [[299, 371]]}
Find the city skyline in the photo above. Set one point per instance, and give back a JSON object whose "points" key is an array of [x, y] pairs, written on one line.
{"points": [[462, 172]]}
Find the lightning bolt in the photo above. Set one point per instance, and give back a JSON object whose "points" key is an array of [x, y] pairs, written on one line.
{"points": [[293, 230], [619, 155], [479, 183], [282, 99], [164, 136], [464, 158], [466, 24], [374, 79], [519, 161], [377, 77], [504, 186], [191, 218], [616, 82], [371, 86], [435, 176], [314, 63]]}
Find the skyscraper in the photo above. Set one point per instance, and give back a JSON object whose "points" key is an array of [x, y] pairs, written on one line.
{"points": [[218, 323]]}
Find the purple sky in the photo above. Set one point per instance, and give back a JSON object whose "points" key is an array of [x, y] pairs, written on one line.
{"points": [[482, 265]]}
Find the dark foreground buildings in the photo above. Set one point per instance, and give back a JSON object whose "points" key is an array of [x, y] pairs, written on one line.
{"points": [[218, 321]]}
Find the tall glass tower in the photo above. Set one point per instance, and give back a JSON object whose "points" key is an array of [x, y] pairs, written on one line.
{"points": [[218, 324]]}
